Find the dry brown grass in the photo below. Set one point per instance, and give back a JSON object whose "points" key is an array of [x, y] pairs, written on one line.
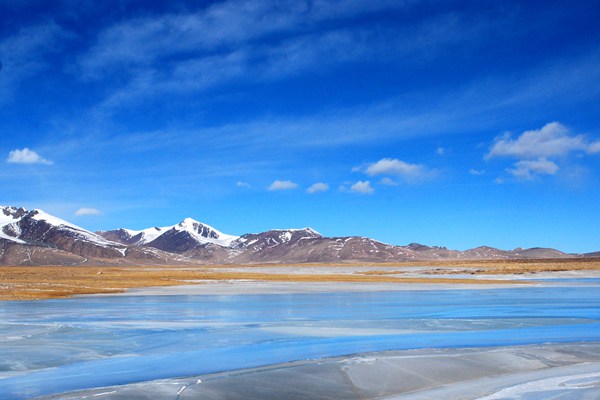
{"points": [[28, 283]]}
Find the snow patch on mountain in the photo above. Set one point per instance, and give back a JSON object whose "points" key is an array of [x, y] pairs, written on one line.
{"points": [[9, 230], [13, 220], [146, 235], [204, 233], [309, 232], [40, 215], [198, 231]]}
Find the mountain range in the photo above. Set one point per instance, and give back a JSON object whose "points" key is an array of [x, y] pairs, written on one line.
{"points": [[38, 238]]}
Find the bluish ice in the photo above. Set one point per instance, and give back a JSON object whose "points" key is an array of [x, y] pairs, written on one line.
{"points": [[54, 346]]}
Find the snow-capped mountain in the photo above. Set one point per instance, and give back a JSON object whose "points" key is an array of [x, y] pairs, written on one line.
{"points": [[9, 227], [38, 238], [307, 245], [184, 236], [36, 227], [274, 237]]}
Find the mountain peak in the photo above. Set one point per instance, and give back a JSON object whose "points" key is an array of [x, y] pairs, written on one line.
{"points": [[204, 233], [13, 212], [311, 232], [188, 234], [307, 232], [41, 215], [189, 221]]}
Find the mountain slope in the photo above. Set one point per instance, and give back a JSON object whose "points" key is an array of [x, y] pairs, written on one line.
{"points": [[307, 245], [38, 228], [38, 238]]}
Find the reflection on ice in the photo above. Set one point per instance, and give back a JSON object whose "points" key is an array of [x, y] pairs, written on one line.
{"points": [[61, 345]]}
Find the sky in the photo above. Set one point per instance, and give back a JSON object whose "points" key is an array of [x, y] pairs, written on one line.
{"points": [[448, 123]]}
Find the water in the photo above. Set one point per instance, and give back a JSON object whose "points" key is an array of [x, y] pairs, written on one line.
{"points": [[54, 346]]}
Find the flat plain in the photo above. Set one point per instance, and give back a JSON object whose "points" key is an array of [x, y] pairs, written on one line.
{"points": [[35, 283]]}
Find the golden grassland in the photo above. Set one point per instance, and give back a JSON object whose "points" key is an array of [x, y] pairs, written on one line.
{"points": [[29, 283]]}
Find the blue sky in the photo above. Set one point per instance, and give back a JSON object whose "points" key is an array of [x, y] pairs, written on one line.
{"points": [[453, 123]]}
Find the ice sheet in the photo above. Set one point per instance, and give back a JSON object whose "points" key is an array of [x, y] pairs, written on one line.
{"points": [[55, 346]]}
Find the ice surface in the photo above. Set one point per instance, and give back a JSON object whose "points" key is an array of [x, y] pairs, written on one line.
{"points": [[423, 374], [55, 346], [568, 386]]}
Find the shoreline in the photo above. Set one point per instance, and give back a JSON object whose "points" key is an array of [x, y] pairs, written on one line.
{"points": [[36, 283], [466, 373]]}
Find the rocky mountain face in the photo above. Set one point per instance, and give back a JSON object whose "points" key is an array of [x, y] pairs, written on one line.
{"points": [[37, 238], [306, 245], [40, 229]]}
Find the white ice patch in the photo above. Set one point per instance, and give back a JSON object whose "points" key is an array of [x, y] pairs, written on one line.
{"points": [[541, 386]]}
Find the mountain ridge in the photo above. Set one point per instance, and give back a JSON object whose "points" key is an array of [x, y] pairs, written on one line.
{"points": [[38, 238]]}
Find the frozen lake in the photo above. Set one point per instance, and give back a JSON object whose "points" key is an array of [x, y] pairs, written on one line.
{"points": [[54, 346]]}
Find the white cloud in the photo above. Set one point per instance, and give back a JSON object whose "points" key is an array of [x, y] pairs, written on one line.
{"points": [[553, 139], [318, 187], [87, 211], [392, 166], [529, 169], [282, 185], [476, 172], [26, 156], [539, 152], [363, 187], [388, 182], [440, 151], [241, 184]]}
